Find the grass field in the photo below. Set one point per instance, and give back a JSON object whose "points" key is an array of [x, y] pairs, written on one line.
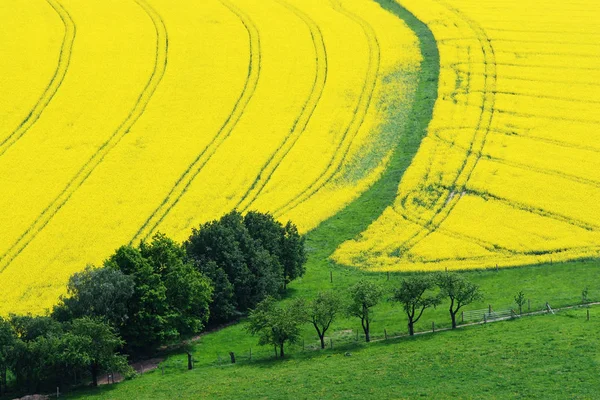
{"points": [[545, 357]]}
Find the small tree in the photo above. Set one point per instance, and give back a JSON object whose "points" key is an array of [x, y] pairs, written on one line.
{"points": [[412, 295], [98, 346], [274, 324], [520, 300], [321, 312], [97, 293], [363, 296], [459, 290]]}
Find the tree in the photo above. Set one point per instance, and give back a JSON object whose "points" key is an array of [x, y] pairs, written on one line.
{"points": [[293, 254], [364, 295], [459, 290], [8, 341], [188, 292], [284, 242], [98, 347], [147, 324], [96, 292], [520, 300], [412, 295], [243, 256], [275, 324], [321, 312]]}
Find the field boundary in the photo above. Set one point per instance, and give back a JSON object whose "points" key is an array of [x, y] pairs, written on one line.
{"points": [[324, 239]]}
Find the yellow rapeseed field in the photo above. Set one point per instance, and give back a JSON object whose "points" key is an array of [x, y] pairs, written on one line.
{"points": [[509, 173], [120, 118]]}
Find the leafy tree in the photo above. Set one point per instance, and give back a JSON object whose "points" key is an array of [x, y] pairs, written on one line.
{"points": [[98, 345], [321, 312], [293, 254], [29, 327], [250, 256], [147, 325], [170, 297], [364, 295], [188, 292], [96, 292], [412, 295], [459, 290], [8, 342], [222, 308], [275, 324], [520, 300]]}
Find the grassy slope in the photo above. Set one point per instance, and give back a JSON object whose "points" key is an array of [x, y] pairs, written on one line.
{"points": [[548, 356], [559, 284]]}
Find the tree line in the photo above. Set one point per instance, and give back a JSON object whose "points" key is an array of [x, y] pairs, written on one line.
{"points": [[277, 324], [147, 295]]}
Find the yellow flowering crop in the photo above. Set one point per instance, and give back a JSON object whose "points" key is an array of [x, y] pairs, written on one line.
{"points": [[124, 117], [509, 173]]}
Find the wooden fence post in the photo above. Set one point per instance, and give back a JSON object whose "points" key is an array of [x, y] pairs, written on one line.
{"points": [[330, 276], [385, 333], [433, 326], [588, 314], [232, 355], [462, 316]]}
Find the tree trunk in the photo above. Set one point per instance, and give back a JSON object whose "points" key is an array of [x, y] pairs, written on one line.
{"points": [[322, 337], [453, 317], [365, 325], [94, 370], [411, 328], [281, 354]]}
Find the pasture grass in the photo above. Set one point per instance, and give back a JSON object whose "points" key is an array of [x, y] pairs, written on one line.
{"points": [[546, 356]]}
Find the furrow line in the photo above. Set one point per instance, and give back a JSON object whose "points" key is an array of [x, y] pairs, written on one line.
{"points": [[358, 117], [160, 65], [267, 170], [64, 60], [187, 177]]}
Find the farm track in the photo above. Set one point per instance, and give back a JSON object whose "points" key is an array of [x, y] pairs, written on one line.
{"points": [[341, 152], [64, 60], [493, 247], [446, 203], [192, 171], [300, 124], [525, 167], [160, 65]]}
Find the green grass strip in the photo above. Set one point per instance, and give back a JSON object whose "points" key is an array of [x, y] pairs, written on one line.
{"points": [[358, 215]]}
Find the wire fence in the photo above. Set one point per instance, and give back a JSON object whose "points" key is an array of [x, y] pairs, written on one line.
{"points": [[346, 340]]}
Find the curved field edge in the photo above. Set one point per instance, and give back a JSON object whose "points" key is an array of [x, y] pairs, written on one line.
{"points": [[359, 214]]}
